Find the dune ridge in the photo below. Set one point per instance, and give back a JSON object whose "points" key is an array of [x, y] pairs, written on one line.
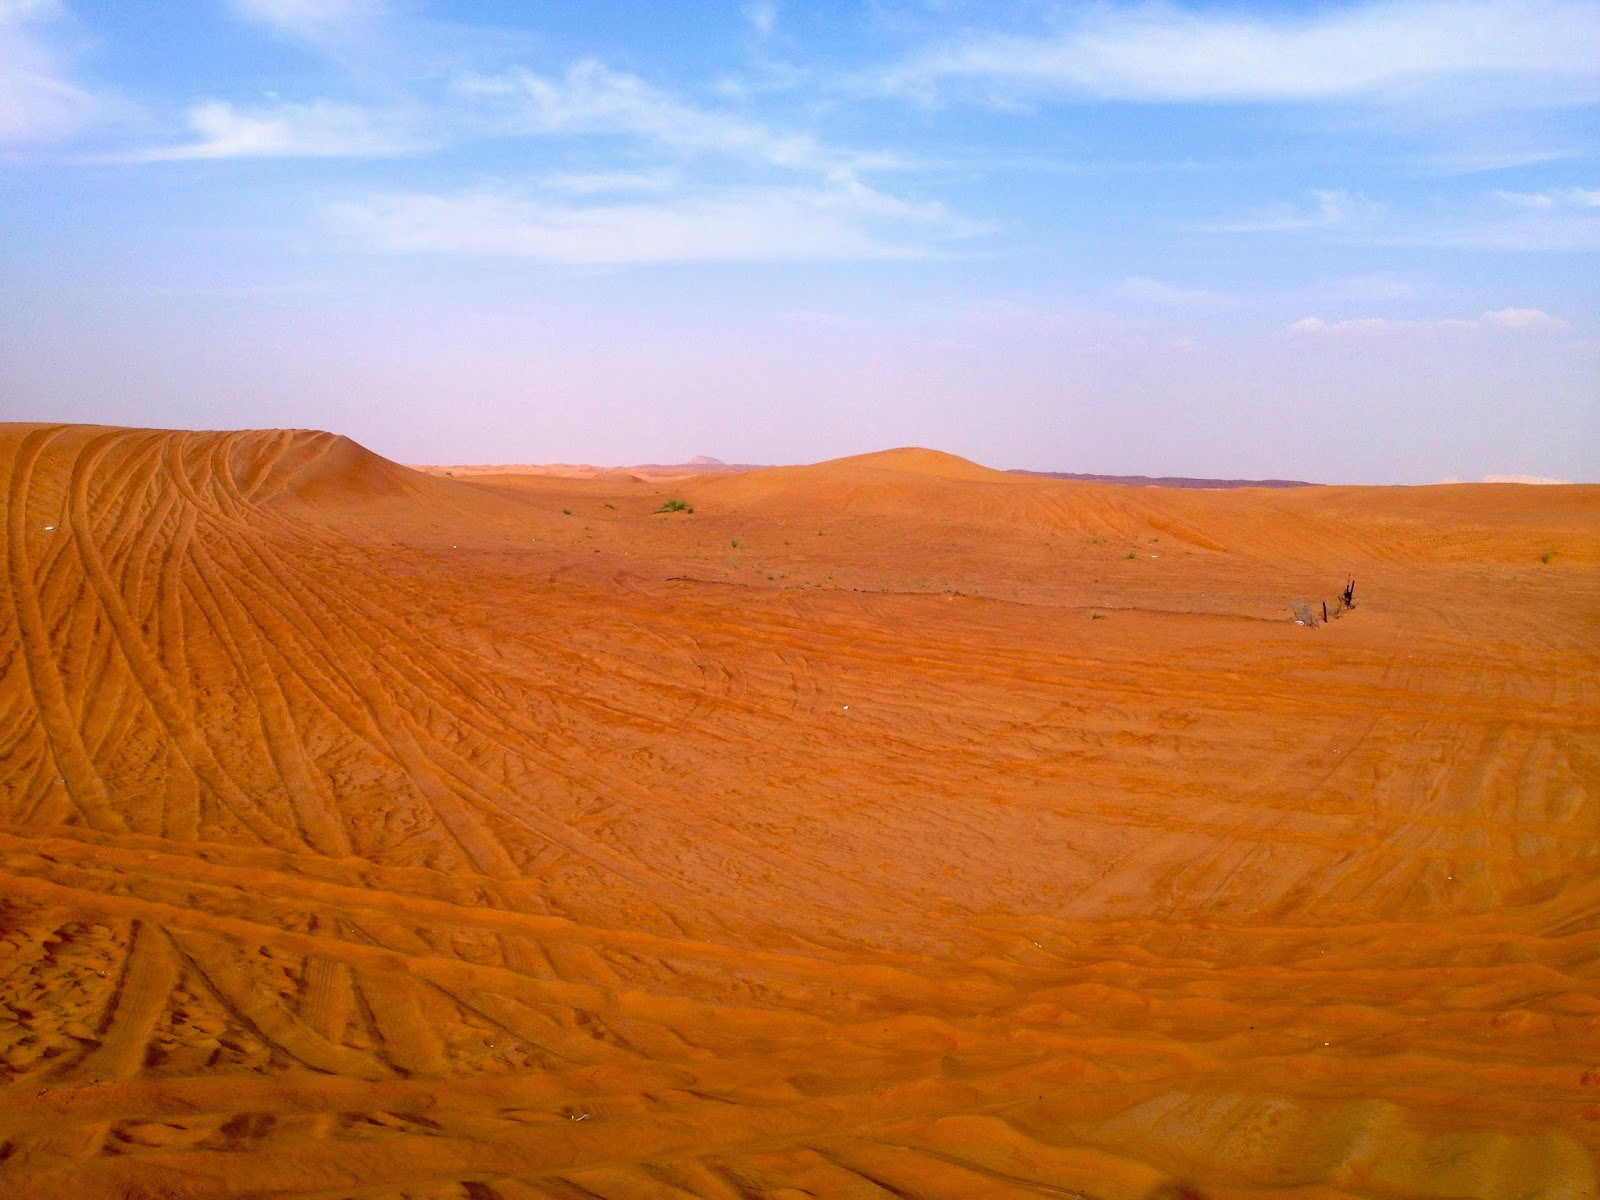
{"points": [[890, 826]]}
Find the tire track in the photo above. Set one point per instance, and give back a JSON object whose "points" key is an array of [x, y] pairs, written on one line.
{"points": [[475, 792], [263, 1015], [476, 843], [149, 974], [147, 671], [316, 813], [84, 785]]}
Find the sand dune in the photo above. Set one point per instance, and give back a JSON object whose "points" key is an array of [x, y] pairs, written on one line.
{"points": [[886, 827]]}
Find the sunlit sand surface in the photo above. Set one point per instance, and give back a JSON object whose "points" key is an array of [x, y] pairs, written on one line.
{"points": [[891, 827]]}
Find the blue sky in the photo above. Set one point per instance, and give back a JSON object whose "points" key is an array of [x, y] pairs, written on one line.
{"points": [[1344, 242]]}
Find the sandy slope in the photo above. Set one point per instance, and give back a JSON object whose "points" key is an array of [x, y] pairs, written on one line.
{"points": [[368, 833]]}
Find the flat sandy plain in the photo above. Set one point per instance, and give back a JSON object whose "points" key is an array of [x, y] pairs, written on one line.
{"points": [[890, 827]]}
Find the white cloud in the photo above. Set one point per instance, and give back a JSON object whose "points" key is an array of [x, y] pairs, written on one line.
{"points": [[1538, 200], [593, 99], [38, 103], [755, 224], [663, 210], [1157, 52], [599, 183], [1520, 320], [319, 129], [314, 20], [762, 15], [1317, 325], [1560, 228], [1560, 198], [1531, 320], [1328, 207], [1154, 291]]}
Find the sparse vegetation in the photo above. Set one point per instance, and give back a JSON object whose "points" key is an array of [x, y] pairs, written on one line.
{"points": [[610, 505], [734, 543], [1133, 554], [1547, 556], [672, 506], [566, 512], [1096, 617]]}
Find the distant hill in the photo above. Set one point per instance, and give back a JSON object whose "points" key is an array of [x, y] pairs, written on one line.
{"points": [[699, 465], [912, 460], [1168, 481]]}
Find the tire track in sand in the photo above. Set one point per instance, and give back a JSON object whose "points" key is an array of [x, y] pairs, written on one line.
{"points": [[85, 787], [148, 672]]}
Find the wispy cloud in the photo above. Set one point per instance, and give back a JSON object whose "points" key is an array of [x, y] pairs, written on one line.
{"points": [[1155, 291], [312, 20], [593, 99], [1193, 300], [762, 15], [752, 224], [755, 193], [1518, 320], [602, 183], [1157, 52], [1559, 198], [1562, 219], [1327, 207], [38, 102], [318, 129], [1534, 228]]}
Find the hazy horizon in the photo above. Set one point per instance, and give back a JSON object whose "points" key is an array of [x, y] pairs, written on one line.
{"points": [[1346, 243]]}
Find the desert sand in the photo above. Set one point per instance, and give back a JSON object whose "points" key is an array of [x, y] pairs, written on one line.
{"points": [[890, 827]]}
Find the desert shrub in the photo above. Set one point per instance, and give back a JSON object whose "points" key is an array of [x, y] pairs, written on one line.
{"points": [[682, 506]]}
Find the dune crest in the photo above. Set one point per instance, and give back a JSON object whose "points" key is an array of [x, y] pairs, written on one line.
{"points": [[879, 827], [916, 460]]}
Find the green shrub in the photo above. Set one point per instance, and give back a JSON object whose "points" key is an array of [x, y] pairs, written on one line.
{"points": [[682, 506]]}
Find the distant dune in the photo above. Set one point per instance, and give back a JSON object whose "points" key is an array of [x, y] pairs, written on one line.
{"points": [[884, 827], [1171, 481], [701, 465]]}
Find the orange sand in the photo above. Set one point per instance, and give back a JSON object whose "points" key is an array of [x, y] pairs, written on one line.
{"points": [[377, 834]]}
